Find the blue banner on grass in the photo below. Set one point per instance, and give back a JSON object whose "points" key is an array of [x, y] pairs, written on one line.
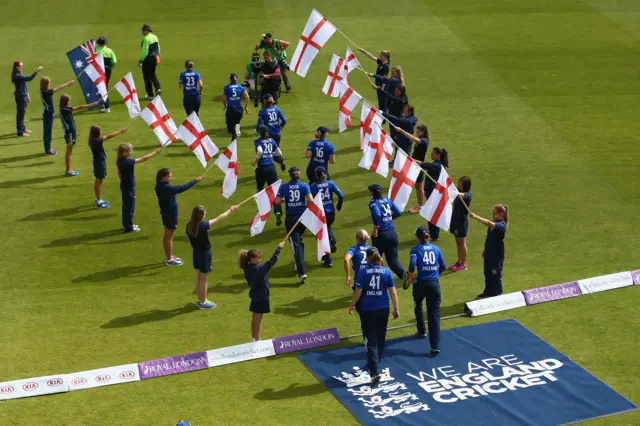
{"points": [[491, 374]]}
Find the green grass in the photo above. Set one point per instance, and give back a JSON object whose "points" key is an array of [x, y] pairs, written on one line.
{"points": [[538, 101]]}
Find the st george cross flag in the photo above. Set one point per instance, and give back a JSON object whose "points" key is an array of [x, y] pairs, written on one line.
{"points": [[127, 88], [350, 63], [349, 99], [378, 152], [368, 117], [334, 77], [264, 200], [315, 221], [158, 118], [314, 36], [192, 133], [228, 163], [403, 179], [88, 66], [438, 208]]}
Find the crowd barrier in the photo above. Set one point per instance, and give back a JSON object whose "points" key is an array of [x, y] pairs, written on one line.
{"points": [[239, 353]]}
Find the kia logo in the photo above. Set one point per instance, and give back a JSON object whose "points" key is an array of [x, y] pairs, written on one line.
{"points": [[30, 386], [103, 378], [54, 382], [79, 381], [127, 375], [6, 389]]}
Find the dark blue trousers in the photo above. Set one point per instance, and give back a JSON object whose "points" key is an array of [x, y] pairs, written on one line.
{"points": [[374, 328], [434, 231], [21, 110], [267, 175], [429, 290], [331, 217], [191, 104], [387, 244], [107, 74], [233, 117], [128, 207], [296, 241], [492, 277], [47, 128]]}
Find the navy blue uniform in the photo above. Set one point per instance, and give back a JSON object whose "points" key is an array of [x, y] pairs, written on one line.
{"points": [[374, 311], [294, 194], [428, 259], [408, 124], [234, 93], [22, 98], [99, 158], [68, 124], [359, 260], [390, 84], [168, 202], [128, 190], [266, 171], [420, 153], [494, 259], [258, 281], [328, 189], [202, 259], [459, 218], [274, 119], [191, 92], [321, 151], [433, 169], [383, 212], [394, 104], [48, 113], [382, 71]]}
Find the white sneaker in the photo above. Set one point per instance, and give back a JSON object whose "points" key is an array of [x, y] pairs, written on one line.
{"points": [[107, 110], [302, 279], [148, 97], [238, 133]]}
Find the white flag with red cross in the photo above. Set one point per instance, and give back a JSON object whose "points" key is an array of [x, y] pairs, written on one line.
{"points": [[127, 88], [350, 64], [95, 67], [315, 221], [314, 36], [378, 152], [368, 118], [228, 163], [158, 118], [334, 77], [349, 99], [403, 179], [264, 200], [438, 208], [192, 133]]}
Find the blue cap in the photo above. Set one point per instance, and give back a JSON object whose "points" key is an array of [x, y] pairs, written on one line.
{"points": [[293, 170], [232, 76], [371, 250], [320, 169], [323, 130], [374, 187], [420, 230], [183, 423], [267, 97]]}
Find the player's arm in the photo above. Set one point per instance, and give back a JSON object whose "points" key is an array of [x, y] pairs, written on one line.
{"points": [[224, 99], [308, 152], [347, 268], [340, 196], [114, 134], [63, 86], [200, 86], [369, 55]]}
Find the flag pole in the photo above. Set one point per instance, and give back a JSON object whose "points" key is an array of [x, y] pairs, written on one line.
{"points": [[291, 230], [209, 168], [348, 39]]}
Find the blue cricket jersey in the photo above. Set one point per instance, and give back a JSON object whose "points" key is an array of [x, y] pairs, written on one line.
{"points": [[273, 118], [294, 194], [189, 81], [268, 147], [321, 150], [359, 256], [374, 281], [429, 261], [383, 211], [327, 188], [234, 92]]}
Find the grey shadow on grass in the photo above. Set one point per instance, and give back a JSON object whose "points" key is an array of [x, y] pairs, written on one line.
{"points": [[149, 316], [310, 305], [346, 173], [363, 193], [9, 136], [25, 182], [348, 150], [84, 239], [57, 214], [9, 160], [32, 165], [121, 272], [294, 390]]}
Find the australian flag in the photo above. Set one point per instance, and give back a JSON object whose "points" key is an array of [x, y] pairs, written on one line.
{"points": [[91, 79]]}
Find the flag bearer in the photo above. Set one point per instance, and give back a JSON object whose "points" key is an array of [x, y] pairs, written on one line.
{"points": [[21, 95], [493, 253], [428, 259], [149, 60], [327, 188], [110, 62], [320, 153]]}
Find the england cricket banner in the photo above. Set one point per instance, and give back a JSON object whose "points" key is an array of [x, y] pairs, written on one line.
{"points": [[349, 99], [316, 33], [88, 66], [403, 179], [228, 163], [314, 220], [605, 282], [350, 64], [334, 77], [368, 119], [377, 152], [192, 133], [438, 208], [103, 377], [34, 387], [157, 117], [127, 88], [264, 200]]}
